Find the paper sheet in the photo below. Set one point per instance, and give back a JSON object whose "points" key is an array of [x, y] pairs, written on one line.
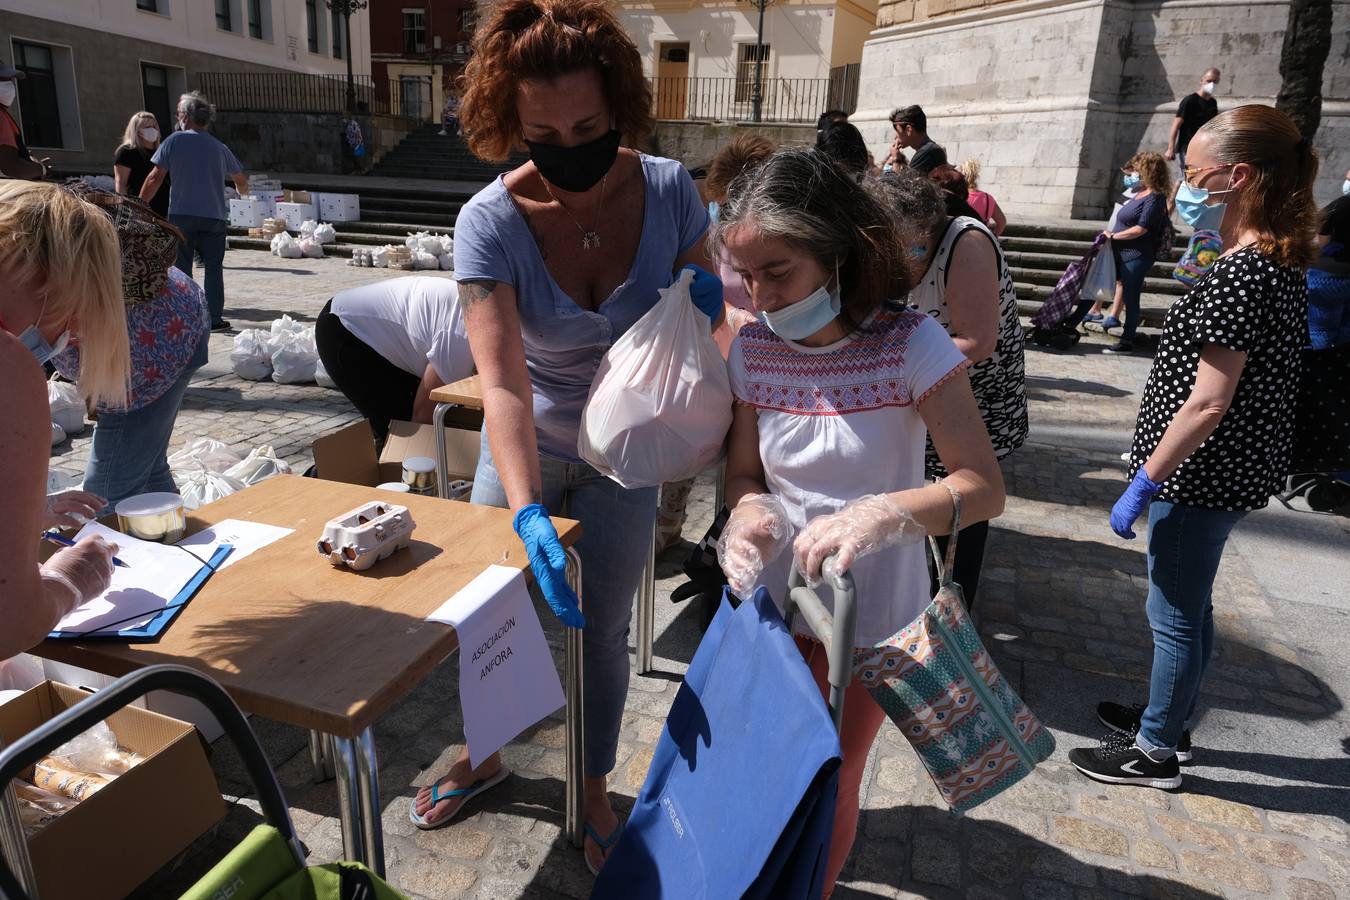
{"points": [[507, 680], [156, 574], [246, 537]]}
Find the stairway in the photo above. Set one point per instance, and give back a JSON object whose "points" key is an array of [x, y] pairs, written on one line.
{"points": [[425, 153]]}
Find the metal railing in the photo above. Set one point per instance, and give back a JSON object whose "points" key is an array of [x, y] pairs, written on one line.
{"points": [[305, 93], [729, 99]]}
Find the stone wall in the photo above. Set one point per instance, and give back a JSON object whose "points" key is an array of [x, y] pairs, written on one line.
{"points": [[695, 143], [1053, 96], [302, 142]]}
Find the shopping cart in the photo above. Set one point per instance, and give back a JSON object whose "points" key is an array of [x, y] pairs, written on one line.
{"points": [[739, 798], [268, 863]]}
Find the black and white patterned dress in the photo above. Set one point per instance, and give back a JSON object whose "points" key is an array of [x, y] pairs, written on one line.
{"points": [[1245, 302], [999, 382]]}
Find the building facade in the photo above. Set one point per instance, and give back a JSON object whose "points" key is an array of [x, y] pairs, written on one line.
{"points": [[418, 49], [702, 54], [90, 64], [1052, 96]]}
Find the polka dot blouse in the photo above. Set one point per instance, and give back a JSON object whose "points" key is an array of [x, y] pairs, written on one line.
{"points": [[1245, 302]]}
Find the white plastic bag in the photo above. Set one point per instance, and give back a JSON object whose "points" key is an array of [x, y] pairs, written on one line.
{"points": [[58, 434], [260, 464], [285, 246], [294, 357], [310, 248], [284, 325], [424, 260], [660, 405], [307, 228], [1100, 284], [379, 257], [447, 261], [251, 357], [321, 376], [204, 453], [67, 406], [199, 487], [414, 241], [325, 234]]}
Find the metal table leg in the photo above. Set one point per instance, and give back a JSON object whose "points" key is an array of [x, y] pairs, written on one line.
{"points": [[442, 463], [368, 790], [349, 798], [720, 494], [320, 759], [646, 610], [575, 714]]}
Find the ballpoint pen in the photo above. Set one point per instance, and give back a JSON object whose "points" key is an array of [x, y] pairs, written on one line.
{"points": [[64, 541]]}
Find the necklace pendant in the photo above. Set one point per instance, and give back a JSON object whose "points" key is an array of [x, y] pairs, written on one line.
{"points": [[590, 240]]}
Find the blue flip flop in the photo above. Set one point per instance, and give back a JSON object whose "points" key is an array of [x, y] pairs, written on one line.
{"points": [[603, 843], [468, 793]]}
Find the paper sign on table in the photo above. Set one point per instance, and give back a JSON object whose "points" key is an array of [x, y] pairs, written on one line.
{"points": [[507, 680], [245, 537]]}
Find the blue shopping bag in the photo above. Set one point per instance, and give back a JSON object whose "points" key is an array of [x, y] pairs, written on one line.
{"points": [[739, 799]]}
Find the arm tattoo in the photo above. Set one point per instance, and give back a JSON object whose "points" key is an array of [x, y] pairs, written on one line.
{"points": [[478, 289]]}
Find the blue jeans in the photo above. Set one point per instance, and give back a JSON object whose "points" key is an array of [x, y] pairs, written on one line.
{"points": [[207, 236], [1131, 276], [129, 454], [1185, 544], [616, 532]]}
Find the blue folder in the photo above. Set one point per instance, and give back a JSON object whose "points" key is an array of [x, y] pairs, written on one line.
{"points": [[150, 631], [739, 800]]}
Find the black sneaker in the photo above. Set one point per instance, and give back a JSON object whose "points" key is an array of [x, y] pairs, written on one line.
{"points": [[1125, 719], [1119, 761], [222, 325], [1120, 347]]}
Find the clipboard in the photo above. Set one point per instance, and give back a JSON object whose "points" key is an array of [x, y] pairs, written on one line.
{"points": [[163, 616]]}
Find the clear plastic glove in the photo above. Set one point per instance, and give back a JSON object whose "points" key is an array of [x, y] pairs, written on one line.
{"points": [[706, 292], [756, 533], [548, 561], [81, 572], [71, 509], [863, 526]]}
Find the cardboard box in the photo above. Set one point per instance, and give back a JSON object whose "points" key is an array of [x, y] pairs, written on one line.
{"points": [[348, 454], [298, 197], [338, 207], [269, 199], [248, 212], [296, 213], [167, 703], [111, 842]]}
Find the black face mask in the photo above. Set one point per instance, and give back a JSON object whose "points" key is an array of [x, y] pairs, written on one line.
{"points": [[576, 169]]}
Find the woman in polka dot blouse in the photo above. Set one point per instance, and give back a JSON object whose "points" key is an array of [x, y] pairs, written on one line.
{"points": [[1216, 421]]}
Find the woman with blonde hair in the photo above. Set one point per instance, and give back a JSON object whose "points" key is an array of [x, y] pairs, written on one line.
{"points": [[1140, 230], [1216, 421], [132, 163], [982, 201], [49, 301]]}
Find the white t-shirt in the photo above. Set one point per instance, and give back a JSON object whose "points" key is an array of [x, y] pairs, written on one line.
{"points": [[412, 322], [839, 422]]}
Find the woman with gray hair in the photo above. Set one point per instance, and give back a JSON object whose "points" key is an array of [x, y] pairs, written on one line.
{"points": [[198, 165], [835, 389], [967, 287]]}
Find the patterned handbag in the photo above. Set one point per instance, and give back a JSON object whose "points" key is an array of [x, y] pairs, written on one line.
{"points": [[938, 684], [148, 242]]}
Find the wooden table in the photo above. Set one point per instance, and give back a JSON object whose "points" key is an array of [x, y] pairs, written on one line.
{"points": [[295, 639], [467, 393]]}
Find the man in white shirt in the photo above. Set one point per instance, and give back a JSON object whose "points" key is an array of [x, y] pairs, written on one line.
{"points": [[389, 344]]}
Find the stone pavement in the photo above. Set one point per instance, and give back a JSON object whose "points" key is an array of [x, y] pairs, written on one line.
{"points": [[1262, 813]]}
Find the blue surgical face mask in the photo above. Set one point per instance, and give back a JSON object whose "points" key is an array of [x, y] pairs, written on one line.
{"points": [[1131, 179], [31, 337], [713, 209], [1193, 211], [804, 318], [1345, 187]]}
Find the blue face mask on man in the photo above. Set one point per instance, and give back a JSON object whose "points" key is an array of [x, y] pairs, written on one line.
{"points": [[1194, 211], [804, 318]]}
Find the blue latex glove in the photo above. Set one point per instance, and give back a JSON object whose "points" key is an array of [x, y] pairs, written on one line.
{"points": [[706, 292], [1132, 503], [548, 561]]}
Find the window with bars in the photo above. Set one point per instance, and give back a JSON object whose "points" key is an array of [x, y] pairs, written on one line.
{"points": [[746, 57], [312, 24], [38, 99], [224, 15], [335, 21], [414, 31], [468, 20], [255, 19]]}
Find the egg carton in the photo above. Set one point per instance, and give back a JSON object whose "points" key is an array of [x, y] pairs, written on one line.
{"points": [[366, 535]]}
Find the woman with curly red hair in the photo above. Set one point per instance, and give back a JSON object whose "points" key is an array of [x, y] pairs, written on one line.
{"points": [[555, 260]]}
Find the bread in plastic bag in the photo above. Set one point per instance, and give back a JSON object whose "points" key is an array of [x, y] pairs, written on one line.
{"points": [[67, 406], [251, 357], [96, 750], [204, 453], [294, 357], [325, 234], [660, 406], [199, 487], [260, 465]]}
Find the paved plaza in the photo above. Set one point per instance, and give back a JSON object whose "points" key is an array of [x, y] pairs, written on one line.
{"points": [[1263, 810]]}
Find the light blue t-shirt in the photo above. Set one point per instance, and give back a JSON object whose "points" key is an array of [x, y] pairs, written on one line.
{"points": [[563, 342], [198, 165]]}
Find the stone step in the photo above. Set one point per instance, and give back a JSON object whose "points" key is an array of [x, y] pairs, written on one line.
{"points": [[1160, 286], [386, 205], [1153, 306], [1053, 262]]}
